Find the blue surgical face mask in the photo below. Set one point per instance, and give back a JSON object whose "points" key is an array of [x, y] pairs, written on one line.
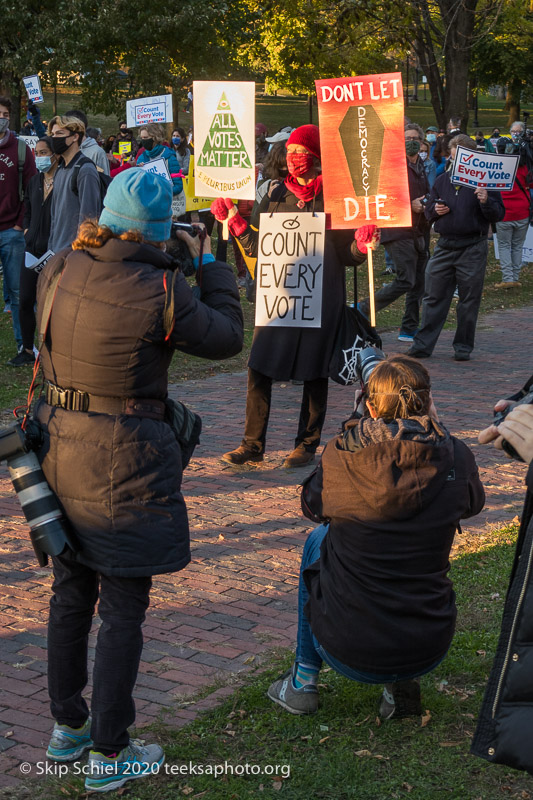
{"points": [[431, 137], [43, 163], [176, 140]]}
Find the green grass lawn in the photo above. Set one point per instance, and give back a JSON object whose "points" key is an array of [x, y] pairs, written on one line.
{"points": [[345, 752]]}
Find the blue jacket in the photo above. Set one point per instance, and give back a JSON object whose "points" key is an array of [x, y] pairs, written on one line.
{"points": [[162, 151]]}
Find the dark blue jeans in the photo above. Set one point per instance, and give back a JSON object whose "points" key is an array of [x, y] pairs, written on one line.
{"points": [[309, 650], [122, 608]]}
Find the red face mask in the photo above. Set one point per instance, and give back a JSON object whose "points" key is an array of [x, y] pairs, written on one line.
{"points": [[299, 163]]}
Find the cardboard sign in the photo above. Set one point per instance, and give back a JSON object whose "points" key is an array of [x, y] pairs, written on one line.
{"points": [[363, 151], [144, 110], [157, 167], [178, 205], [124, 148], [31, 141], [290, 266], [37, 264], [33, 88], [224, 136], [484, 170], [193, 203]]}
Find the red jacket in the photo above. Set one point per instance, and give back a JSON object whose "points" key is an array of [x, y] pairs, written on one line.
{"points": [[516, 201], [11, 206]]}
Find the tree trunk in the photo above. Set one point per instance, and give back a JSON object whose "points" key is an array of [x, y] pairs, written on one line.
{"points": [[459, 26], [310, 107], [512, 103]]}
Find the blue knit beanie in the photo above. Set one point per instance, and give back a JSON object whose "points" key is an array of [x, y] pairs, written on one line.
{"points": [[137, 200]]}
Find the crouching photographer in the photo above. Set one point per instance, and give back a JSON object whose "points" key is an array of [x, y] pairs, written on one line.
{"points": [[506, 716], [375, 602], [112, 312]]}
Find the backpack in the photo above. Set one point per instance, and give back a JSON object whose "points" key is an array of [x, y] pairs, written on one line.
{"points": [[104, 179], [21, 156]]}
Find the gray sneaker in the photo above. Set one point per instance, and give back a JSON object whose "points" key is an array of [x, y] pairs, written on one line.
{"points": [[401, 699], [68, 744], [104, 774], [297, 701]]}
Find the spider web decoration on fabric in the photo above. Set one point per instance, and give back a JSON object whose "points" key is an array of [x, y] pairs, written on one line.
{"points": [[348, 373]]}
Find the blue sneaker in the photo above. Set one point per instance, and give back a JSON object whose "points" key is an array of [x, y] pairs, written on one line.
{"points": [[104, 774], [406, 337], [68, 744]]}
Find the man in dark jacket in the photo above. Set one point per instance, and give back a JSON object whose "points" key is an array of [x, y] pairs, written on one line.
{"points": [[118, 315], [462, 216], [503, 734], [407, 246]]}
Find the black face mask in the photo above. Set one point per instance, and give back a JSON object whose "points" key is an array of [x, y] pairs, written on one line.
{"points": [[148, 144], [123, 130], [59, 144]]}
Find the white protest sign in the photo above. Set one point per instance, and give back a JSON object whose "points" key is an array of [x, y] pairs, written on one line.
{"points": [[527, 247], [37, 264], [157, 167], [224, 138], [33, 88], [290, 266], [484, 170], [31, 141], [144, 110]]}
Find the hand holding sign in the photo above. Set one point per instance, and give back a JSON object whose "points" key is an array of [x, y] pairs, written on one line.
{"points": [[367, 237], [482, 195], [222, 208]]}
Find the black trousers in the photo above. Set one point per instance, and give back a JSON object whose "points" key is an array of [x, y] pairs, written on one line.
{"points": [[410, 259], [27, 297], [122, 609], [464, 268], [312, 412]]}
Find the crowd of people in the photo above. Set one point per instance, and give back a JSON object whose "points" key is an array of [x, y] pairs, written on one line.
{"points": [[388, 493]]}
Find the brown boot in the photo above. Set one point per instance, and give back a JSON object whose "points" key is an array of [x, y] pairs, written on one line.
{"points": [[242, 455], [299, 457]]}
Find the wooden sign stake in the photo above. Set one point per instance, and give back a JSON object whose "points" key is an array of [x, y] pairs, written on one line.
{"points": [[371, 286]]}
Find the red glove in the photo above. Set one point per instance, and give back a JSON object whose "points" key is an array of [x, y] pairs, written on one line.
{"points": [[237, 225], [367, 235], [220, 208]]}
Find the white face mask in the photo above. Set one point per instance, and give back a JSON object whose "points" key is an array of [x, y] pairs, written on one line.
{"points": [[423, 155]]}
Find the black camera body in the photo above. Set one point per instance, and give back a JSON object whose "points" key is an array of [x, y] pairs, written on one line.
{"points": [[524, 397], [179, 250], [49, 530]]}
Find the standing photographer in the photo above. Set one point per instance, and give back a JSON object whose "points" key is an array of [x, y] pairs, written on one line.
{"points": [[118, 314], [503, 734]]}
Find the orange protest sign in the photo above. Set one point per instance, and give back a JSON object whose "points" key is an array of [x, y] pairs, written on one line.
{"points": [[363, 151]]}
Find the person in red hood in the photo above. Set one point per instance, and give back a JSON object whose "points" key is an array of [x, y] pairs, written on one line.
{"points": [[375, 601]]}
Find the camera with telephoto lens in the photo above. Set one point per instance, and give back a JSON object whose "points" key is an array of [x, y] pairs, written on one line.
{"points": [[367, 360], [49, 530], [499, 416], [178, 249]]}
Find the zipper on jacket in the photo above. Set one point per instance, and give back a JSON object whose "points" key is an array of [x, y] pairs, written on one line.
{"points": [[513, 628]]}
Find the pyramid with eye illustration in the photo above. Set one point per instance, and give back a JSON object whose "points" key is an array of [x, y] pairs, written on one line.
{"points": [[223, 146]]}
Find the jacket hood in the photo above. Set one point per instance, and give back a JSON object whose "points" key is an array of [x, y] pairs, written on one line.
{"points": [[396, 468], [140, 253]]}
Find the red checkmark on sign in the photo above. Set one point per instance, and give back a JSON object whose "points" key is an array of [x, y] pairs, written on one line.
{"points": [[465, 159]]}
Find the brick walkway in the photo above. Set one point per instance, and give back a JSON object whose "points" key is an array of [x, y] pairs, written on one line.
{"points": [[237, 599]]}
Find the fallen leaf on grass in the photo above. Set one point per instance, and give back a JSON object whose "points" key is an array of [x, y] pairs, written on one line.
{"points": [[230, 733], [321, 741], [361, 753], [221, 537], [356, 724], [249, 660], [276, 785], [449, 744], [481, 653], [425, 718], [407, 786], [306, 738], [377, 722], [7, 734]]}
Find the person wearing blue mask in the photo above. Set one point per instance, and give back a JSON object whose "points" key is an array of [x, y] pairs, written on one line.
{"points": [[431, 137], [36, 226], [153, 142], [181, 149]]}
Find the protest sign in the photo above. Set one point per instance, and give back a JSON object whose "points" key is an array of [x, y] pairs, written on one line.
{"points": [[37, 264], [31, 141], [193, 203], [484, 170], [363, 151], [157, 167], [124, 148], [144, 110], [33, 88], [290, 265], [224, 135]]}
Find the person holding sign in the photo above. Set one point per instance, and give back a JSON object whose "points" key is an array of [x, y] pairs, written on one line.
{"points": [[152, 138], [295, 353], [462, 216]]}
